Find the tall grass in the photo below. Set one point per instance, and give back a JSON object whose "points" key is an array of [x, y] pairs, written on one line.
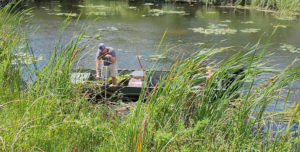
{"points": [[11, 38], [27, 111], [281, 5], [179, 118], [50, 114]]}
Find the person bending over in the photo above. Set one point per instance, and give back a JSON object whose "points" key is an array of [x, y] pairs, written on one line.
{"points": [[108, 55]]}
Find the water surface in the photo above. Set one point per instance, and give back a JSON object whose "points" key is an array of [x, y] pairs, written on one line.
{"points": [[137, 28]]}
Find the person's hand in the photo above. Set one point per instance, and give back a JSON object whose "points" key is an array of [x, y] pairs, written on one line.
{"points": [[97, 77]]}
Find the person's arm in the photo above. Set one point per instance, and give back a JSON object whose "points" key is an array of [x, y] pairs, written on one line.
{"points": [[209, 72], [110, 58], [97, 69], [113, 59], [98, 62]]}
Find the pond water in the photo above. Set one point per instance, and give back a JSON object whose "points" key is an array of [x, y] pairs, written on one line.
{"points": [[137, 28]]}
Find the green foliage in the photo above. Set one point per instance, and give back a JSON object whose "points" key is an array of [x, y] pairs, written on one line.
{"points": [[10, 40], [161, 139], [284, 9]]}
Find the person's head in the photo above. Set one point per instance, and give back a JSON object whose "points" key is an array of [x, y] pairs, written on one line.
{"points": [[102, 48]]}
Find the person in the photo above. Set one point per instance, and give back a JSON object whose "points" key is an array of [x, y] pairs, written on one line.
{"points": [[108, 55]]}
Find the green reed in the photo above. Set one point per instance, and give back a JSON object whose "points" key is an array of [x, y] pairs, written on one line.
{"points": [[178, 116], [283, 7]]}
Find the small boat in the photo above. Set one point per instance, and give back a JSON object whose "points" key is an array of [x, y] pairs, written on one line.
{"points": [[128, 88]]}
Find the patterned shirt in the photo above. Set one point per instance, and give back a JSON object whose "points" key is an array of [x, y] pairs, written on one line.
{"points": [[100, 55]]}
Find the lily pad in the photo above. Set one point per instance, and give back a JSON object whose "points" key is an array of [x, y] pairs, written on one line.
{"points": [[211, 12], [159, 12], [35, 59], [94, 6], [24, 58], [156, 12], [226, 21], [212, 26], [286, 17], [220, 31], [215, 26], [148, 4], [223, 25], [29, 14], [280, 26], [112, 28], [125, 51], [97, 37], [132, 7], [221, 49], [20, 55], [175, 12], [290, 48], [64, 14], [87, 36], [157, 57], [250, 30], [97, 13], [247, 22], [200, 44]]}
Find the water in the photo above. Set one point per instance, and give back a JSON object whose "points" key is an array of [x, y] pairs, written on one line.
{"points": [[136, 29]]}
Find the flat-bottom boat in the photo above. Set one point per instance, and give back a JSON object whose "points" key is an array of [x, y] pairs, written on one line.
{"points": [[129, 87], [130, 90]]}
